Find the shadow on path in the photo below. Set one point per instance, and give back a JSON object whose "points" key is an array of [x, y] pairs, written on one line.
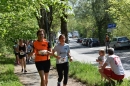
{"points": [[78, 47], [91, 52]]}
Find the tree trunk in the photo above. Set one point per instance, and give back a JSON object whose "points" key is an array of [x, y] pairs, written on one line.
{"points": [[101, 20], [64, 27], [45, 21]]}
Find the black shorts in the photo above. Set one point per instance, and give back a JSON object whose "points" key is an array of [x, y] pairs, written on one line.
{"points": [[43, 65], [16, 54], [21, 56]]}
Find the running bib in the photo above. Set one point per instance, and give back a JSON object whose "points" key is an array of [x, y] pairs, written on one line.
{"points": [[22, 53], [42, 52], [62, 60]]}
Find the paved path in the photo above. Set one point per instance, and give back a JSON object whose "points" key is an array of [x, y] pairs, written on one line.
{"points": [[31, 78]]}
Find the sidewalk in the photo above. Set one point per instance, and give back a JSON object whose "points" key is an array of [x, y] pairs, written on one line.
{"points": [[31, 78]]}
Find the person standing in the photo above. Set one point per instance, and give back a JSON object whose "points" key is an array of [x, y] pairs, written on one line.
{"points": [[107, 41], [116, 71], [22, 49], [62, 64], [90, 42]]}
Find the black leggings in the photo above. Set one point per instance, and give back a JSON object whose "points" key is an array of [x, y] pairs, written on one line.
{"points": [[63, 69]]}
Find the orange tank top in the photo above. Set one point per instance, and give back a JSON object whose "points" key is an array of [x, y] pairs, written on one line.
{"points": [[40, 45]]}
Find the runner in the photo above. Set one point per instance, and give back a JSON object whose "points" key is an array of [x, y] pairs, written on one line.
{"points": [[22, 49], [41, 48], [16, 53], [62, 64], [29, 49]]}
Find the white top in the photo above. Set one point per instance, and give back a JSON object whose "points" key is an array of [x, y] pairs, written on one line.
{"points": [[115, 64], [101, 58], [62, 51]]}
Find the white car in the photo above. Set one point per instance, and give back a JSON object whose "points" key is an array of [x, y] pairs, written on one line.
{"points": [[119, 42], [75, 34], [69, 35]]}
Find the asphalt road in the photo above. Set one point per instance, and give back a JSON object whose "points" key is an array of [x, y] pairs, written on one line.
{"points": [[86, 54]]}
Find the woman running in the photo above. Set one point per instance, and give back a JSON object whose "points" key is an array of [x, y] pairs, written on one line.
{"points": [[22, 49], [41, 49], [62, 65]]}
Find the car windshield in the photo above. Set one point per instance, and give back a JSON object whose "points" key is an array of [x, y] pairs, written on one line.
{"points": [[94, 39], [123, 39], [85, 39]]}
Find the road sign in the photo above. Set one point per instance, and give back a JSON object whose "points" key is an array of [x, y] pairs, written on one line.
{"points": [[109, 30], [111, 26]]}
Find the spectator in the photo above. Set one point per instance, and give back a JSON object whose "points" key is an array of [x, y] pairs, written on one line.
{"points": [[107, 41], [90, 42], [101, 59], [116, 71]]}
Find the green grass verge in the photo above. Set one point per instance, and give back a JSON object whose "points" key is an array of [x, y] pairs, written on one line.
{"points": [[87, 73], [7, 76]]}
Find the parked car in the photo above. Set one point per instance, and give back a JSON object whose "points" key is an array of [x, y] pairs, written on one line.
{"points": [[70, 35], [84, 41], [119, 42], [68, 40], [79, 40], [93, 42], [75, 34]]}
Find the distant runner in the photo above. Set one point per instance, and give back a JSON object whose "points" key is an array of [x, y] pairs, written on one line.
{"points": [[22, 49], [16, 53]]}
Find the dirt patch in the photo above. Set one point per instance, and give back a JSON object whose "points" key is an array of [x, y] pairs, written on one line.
{"points": [[31, 78]]}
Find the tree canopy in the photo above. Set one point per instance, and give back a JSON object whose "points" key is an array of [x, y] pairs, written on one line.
{"points": [[93, 16], [22, 18]]}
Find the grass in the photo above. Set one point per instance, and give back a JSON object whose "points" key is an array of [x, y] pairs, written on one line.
{"points": [[7, 76], [87, 74]]}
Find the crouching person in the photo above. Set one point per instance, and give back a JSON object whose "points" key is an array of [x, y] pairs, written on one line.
{"points": [[116, 70]]}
